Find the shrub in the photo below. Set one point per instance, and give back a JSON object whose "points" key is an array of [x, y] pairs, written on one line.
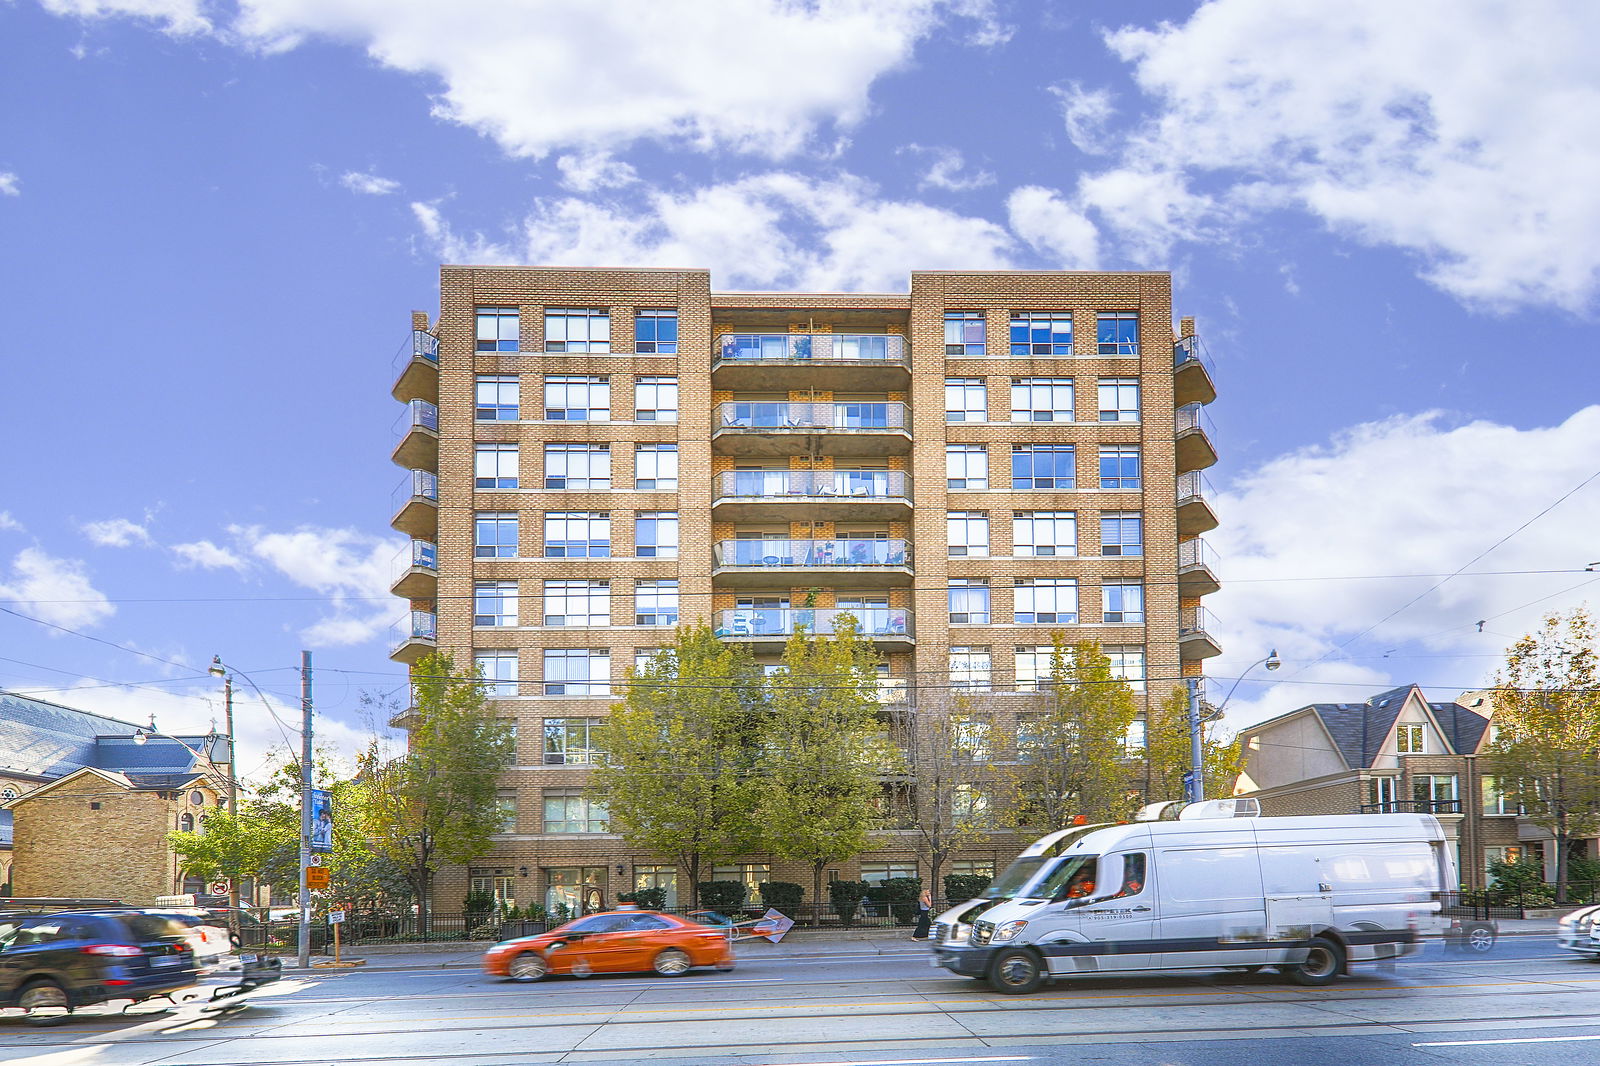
{"points": [[958, 887], [1513, 882], [846, 896], [722, 895], [785, 896], [651, 899], [901, 893], [478, 906]]}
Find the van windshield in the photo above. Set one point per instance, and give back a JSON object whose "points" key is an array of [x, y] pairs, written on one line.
{"points": [[1072, 878], [1016, 877]]}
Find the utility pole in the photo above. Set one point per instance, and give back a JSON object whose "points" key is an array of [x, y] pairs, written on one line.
{"points": [[305, 807], [233, 800], [1197, 779]]}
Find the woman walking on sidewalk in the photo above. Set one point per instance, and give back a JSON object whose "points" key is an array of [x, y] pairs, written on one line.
{"points": [[924, 914]]}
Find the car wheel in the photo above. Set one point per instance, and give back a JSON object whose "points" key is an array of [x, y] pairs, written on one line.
{"points": [[1016, 972], [528, 966], [671, 963], [1478, 939], [46, 1003], [1323, 963]]}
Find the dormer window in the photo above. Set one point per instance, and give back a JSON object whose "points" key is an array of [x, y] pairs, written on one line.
{"points": [[1408, 739]]}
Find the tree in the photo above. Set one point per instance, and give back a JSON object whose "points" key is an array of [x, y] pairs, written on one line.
{"points": [[679, 748], [1071, 753], [823, 750], [436, 804], [237, 845], [1168, 755], [946, 738], [1545, 754]]}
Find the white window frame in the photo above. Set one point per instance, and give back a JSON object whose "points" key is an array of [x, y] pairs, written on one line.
{"points": [[1120, 349], [1122, 601], [495, 466], [1120, 520], [971, 668], [1119, 481], [497, 398], [655, 602], [579, 813], [499, 522], [577, 398], [656, 346], [577, 329], [495, 604], [497, 329], [561, 676], [578, 467], [967, 534], [1033, 450], [970, 601], [1119, 399], [972, 394], [1031, 665], [562, 731], [655, 468], [958, 342], [1051, 345], [1044, 534], [592, 522], [1127, 663], [1043, 400], [664, 525], [582, 602], [498, 668], [1410, 738], [1046, 601], [966, 467], [655, 399]]}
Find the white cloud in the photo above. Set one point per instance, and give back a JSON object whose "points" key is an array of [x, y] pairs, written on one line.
{"points": [[116, 533], [1086, 113], [368, 184], [353, 569], [945, 170], [1475, 145], [1149, 210], [55, 590], [1318, 545], [750, 75], [8, 523], [1058, 230], [181, 18], [205, 555], [771, 230], [10, 184], [594, 170]]}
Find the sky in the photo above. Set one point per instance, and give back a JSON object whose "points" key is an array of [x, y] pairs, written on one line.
{"points": [[215, 219]]}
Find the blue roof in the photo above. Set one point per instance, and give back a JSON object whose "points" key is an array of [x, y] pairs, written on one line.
{"points": [[43, 739], [1359, 729]]}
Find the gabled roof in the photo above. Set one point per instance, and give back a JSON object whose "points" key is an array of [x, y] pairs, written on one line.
{"points": [[1359, 729], [1463, 729], [44, 739], [126, 782]]}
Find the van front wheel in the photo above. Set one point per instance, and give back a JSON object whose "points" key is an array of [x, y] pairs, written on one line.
{"points": [[1016, 972], [1323, 963]]}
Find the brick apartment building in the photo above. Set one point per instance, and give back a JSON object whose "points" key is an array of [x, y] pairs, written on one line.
{"points": [[594, 456]]}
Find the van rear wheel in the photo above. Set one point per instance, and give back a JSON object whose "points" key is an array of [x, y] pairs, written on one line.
{"points": [[1323, 963], [1016, 972]]}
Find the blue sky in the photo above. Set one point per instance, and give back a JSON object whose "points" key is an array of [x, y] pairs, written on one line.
{"points": [[215, 218]]}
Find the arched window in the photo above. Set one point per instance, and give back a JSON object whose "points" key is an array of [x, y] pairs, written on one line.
{"points": [[7, 794], [186, 823]]}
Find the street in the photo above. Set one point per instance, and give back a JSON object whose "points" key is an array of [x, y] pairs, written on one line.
{"points": [[1522, 1003]]}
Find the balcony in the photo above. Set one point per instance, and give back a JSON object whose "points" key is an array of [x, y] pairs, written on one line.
{"points": [[888, 628], [420, 580], [417, 505], [1195, 574], [419, 442], [1195, 450], [868, 563], [772, 429], [893, 691], [1194, 634], [1191, 376], [1194, 511], [1413, 806], [823, 495], [811, 360], [417, 369], [422, 639]]}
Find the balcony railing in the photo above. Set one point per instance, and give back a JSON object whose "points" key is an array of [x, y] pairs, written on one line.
{"points": [[425, 553], [1413, 806], [851, 484], [1196, 553], [875, 348], [424, 625], [784, 621], [1189, 417], [423, 484], [420, 414], [764, 415], [783, 552], [1187, 350], [1194, 620], [1193, 486]]}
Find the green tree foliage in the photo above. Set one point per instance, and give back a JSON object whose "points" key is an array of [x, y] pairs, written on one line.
{"points": [[680, 747], [823, 750], [1546, 752], [237, 845], [1071, 756], [435, 805], [1168, 755]]}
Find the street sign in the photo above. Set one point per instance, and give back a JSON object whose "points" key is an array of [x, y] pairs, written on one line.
{"points": [[316, 878], [218, 888], [778, 923], [335, 917]]}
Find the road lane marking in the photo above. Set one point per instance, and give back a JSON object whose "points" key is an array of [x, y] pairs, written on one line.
{"points": [[1507, 1040]]}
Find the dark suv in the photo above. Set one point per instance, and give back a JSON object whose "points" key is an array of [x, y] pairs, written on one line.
{"points": [[51, 964]]}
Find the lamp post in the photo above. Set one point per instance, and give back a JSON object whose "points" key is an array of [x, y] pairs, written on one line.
{"points": [[1197, 779]]}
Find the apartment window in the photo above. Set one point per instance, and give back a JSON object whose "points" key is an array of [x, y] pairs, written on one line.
{"points": [[577, 398], [749, 874], [973, 867], [494, 603], [1119, 399], [663, 877], [1044, 466], [1123, 600], [1121, 533], [570, 810], [965, 400], [1119, 466], [655, 399], [497, 398], [971, 668], [1409, 739], [505, 802], [1117, 333], [1133, 741], [1383, 794], [967, 533], [1045, 533], [577, 603], [577, 535], [1435, 793], [499, 672], [655, 331], [577, 672], [494, 466], [1509, 853], [964, 333], [494, 535], [966, 466], [570, 741], [497, 329], [1041, 400], [577, 466], [644, 658], [875, 872], [655, 603], [577, 329], [1495, 802], [1127, 663], [655, 534], [969, 601], [1035, 333], [1047, 599], [1032, 666], [655, 467], [969, 804], [494, 880]]}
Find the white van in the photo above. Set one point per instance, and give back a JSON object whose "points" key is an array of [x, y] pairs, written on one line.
{"points": [[1217, 888]]}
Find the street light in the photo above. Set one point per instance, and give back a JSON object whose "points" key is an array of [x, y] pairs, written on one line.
{"points": [[1197, 780]]}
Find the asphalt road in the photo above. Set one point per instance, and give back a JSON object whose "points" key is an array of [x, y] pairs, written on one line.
{"points": [[1524, 1003]]}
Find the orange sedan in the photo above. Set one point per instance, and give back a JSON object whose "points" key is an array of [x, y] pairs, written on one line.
{"points": [[627, 940]]}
